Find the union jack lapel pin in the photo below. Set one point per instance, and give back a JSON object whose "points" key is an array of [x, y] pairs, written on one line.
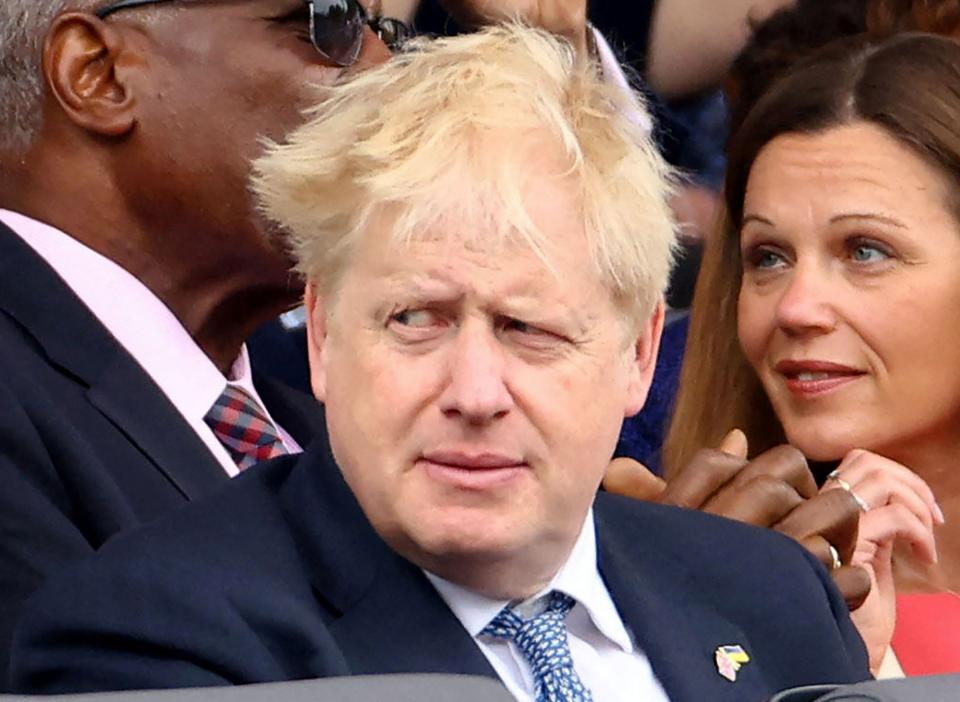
{"points": [[730, 659]]}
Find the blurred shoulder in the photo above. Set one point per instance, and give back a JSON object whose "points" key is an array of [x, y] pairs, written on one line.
{"points": [[242, 519]]}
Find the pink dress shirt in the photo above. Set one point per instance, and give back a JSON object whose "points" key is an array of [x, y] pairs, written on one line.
{"points": [[145, 327]]}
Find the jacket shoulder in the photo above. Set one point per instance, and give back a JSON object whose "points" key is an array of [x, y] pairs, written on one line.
{"points": [[195, 581]]}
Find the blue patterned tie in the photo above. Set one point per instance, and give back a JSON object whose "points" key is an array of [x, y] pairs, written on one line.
{"points": [[543, 642]]}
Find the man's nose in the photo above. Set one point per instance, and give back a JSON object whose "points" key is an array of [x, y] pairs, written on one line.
{"points": [[373, 51], [806, 304], [476, 388]]}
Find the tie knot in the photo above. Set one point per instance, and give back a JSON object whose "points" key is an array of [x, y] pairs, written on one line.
{"points": [[243, 428], [542, 639]]}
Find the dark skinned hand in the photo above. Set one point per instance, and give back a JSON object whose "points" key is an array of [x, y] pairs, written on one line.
{"points": [[774, 490]]}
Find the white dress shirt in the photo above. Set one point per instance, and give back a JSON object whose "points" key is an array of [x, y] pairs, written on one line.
{"points": [[146, 328], [604, 655]]}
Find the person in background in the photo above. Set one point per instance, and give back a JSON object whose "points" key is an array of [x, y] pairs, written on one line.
{"points": [[826, 306], [482, 314], [787, 36]]}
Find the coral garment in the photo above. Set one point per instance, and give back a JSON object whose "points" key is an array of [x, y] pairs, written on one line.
{"points": [[927, 637]]}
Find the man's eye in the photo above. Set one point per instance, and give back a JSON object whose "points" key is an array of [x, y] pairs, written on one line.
{"points": [[522, 327], [298, 19], [529, 333], [415, 319]]}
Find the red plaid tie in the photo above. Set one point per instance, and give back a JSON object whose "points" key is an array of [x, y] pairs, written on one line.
{"points": [[243, 428]]}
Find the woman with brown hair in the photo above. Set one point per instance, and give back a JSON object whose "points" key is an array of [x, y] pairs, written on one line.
{"points": [[828, 312]]}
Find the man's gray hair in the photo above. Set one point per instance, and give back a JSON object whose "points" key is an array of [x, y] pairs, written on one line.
{"points": [[23, 25]]}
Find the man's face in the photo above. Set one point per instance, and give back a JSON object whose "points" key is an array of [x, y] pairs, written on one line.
{"points": [[221, 76], [474, 397]]}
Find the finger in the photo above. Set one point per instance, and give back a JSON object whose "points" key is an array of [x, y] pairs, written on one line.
{"points": [[762, 501], [880, 490], [854, 585], [630, 478], [895, 522], [852, 580], [860, 466], [833, 515], [693, 486], [785, 463], [735, 444], [819, 547]]}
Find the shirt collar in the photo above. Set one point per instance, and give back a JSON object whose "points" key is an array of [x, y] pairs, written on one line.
{"points": [[579, 577], [136, 317]]}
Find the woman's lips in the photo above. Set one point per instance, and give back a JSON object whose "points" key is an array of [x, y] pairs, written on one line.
{"points": [[809, 378]]}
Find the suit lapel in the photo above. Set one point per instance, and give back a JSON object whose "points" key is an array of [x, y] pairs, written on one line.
{"points": [[401, 625], [386, 616], [75, 341], [137, 407], [671, 620]]}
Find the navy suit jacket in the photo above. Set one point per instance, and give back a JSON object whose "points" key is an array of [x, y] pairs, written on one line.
{"points": [[89, 445], [280, 577]]}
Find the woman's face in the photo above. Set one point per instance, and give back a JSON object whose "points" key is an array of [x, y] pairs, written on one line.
{"points": [[849, 309]]}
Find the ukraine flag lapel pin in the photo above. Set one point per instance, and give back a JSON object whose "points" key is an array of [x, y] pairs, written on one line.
{"points": [[729, 660]]}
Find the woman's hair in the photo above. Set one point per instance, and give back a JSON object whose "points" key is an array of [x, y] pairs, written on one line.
{"points": [[450, 134], [910, 86]]}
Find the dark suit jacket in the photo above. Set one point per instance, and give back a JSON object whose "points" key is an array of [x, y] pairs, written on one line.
{"points": [[281, 577], [89, 445]]}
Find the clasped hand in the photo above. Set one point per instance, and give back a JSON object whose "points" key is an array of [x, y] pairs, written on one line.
{"points": [[566, 18], [775, 490]]}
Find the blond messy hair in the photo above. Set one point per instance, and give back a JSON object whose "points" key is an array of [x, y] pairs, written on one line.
{"points": [[447, 132]]}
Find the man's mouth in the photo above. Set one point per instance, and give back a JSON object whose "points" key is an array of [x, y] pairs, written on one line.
{"points": [[472, 470]]}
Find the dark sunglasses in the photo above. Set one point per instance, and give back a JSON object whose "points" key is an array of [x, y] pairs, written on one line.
{"points": [[336, 27]]}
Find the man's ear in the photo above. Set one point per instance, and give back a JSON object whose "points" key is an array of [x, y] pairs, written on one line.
{"points": [[316, 341], [643, 361], [85, 63]]}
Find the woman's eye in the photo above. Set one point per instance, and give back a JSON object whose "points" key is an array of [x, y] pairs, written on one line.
{"points": [[763, 258], [867, 252]]}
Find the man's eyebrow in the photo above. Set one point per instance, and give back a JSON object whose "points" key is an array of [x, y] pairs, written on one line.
{"points": [[425, 287], [869, 215]]}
